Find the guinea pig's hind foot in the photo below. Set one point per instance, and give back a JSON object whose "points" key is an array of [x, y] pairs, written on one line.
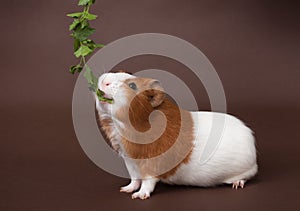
{"points": [[238, 183]]}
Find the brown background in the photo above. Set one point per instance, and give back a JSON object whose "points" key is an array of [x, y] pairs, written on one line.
{"points": [[254, 46]]}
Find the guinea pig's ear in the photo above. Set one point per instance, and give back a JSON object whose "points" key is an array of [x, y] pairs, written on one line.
{"points": [[156, 94]]}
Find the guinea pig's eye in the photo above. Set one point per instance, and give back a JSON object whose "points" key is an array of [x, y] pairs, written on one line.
{"points": [[132, 86]]}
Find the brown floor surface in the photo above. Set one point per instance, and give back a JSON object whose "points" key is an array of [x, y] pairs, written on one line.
{"points": [[44, 168]]}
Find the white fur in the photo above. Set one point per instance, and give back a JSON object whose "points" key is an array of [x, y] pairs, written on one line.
{"points": [[106, 110], [234, 158], [115, 80]]}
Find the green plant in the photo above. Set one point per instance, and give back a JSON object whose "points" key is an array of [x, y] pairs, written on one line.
{"points": [[83, 46]]}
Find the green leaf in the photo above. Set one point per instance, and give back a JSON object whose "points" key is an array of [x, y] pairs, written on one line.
{"points": [[91, 79], [75, 68], [90, 43], [83, 34], [83, 51], [75, 23], [75, 15], [72, 69], [87, 41], [76, 44], [99, 45], [91, 17], [84, 24], [83, 2], [100, 95]]}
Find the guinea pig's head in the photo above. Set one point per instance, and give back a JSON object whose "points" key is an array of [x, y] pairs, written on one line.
{"points": [[129, 94]]}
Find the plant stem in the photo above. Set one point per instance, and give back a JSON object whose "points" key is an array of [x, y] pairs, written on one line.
{"points": [[84, 62]]}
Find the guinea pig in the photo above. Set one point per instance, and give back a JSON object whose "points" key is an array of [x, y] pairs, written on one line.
{"points": [[161, 142]]}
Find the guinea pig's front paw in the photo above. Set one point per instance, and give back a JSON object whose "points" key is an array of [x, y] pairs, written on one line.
{"points": [[128, 189], [141, 194], [133, 186]]}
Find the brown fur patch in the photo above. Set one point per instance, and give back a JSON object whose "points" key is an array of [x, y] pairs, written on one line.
{"points": [[178, 134]]}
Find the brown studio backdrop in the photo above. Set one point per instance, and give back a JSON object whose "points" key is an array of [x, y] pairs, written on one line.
{"points": [[253, 45]]}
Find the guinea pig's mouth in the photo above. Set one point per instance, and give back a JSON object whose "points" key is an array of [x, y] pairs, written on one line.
{"points": [[103, 98]]}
